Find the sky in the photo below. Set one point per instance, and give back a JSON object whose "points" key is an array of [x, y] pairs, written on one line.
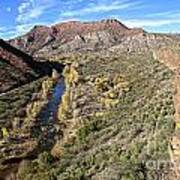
{"points": [[18, 16]]}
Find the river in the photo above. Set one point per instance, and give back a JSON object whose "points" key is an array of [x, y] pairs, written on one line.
{"points": [[49, 112], [46, 138]]}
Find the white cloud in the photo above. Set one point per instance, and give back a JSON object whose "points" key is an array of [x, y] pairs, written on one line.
{"points": [[29, 10], [1, 28], [62, 20], [8, 9], [7, 32], [150, 22], [101, 8], [8, 35], [166, 14], [174, 15], [29, 13], [153, 20], [23, 28]]}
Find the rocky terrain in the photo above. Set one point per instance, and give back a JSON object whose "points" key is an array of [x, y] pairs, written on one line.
{"points": [[14, 70], [74, 36], [93, 36], [113, 113], [18, 68]]}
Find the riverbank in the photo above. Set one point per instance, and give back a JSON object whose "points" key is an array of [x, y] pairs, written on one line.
{"points": [[40, 134]]}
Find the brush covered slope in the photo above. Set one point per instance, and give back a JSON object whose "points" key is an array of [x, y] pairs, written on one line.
{"points": [[115, 119], [21, 79], [19, 68], [124, 112], [15, 71]]}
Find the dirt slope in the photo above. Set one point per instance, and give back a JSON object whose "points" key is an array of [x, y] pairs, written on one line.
{"points": [[171, 58]]}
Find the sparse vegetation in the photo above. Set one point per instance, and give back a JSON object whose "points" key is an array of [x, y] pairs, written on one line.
{"points": [[71, 78], [118, 141], [34, 108], [13, 103], [109, 115]]}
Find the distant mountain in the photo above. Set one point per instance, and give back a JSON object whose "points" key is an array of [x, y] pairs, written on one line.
{"points": [[108, 35], [74, 35]]}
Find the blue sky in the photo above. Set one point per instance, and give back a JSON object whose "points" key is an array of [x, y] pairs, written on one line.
{"points": [[19, 16]]}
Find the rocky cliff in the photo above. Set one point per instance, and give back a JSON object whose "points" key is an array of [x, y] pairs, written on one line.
{"points": [[73, 36]]}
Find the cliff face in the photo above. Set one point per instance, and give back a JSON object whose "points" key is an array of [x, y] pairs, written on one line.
{"points": [[33, 40], [73, 36], [43, 41]]}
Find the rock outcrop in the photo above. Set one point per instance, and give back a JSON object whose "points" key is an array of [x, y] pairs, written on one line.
{"points": [[73, 36]]}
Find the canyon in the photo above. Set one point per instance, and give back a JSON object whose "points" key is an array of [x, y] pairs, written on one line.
{"points": [[89, 100]]}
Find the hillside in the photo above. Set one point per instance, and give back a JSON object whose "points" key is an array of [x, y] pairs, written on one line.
{"points": [[18, 68], [73, 36], [108, 35], [111, 114], [15, 71], [117, 121]]}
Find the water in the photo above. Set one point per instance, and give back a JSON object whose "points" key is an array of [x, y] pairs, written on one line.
{"points": [[45, 139], [49, 112]]}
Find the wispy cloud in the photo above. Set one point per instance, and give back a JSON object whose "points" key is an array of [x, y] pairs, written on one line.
{"points": [[22, 28], [155, 19], [8, 9], [133, 13], [150, 22], [29, 10], [1, 29], [6, 32], [102, 7], [165, 15]]}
